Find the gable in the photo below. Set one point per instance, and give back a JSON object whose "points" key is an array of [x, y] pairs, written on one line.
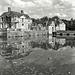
{"points": [[22, 16]]}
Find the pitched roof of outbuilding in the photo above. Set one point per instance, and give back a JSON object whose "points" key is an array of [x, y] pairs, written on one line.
{"points": [[13, 13]]}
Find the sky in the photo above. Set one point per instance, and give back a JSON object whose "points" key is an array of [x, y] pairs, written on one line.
{"points": [[39, 8]]}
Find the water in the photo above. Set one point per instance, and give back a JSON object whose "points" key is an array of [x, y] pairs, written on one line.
{"points": [[39, 55]]}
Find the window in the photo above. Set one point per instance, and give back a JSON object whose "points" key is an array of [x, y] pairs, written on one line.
{"points": [[28, 26], [22, 19], [52, 29], [14, 17], [2, 25], [28, 20], [2, 18], [22, 24]]}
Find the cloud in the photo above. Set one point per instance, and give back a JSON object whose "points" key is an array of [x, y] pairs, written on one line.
{"points": [[60, 15], [58, 6], [72, 2], [35, 16], [8, 1], [41, 8], [19, 3], [0, 9], [43, 2]]}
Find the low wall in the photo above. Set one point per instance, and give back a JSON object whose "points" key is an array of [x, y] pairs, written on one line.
{"points": [[41, 32], [66, 33], [26, 33], [16, 33]]}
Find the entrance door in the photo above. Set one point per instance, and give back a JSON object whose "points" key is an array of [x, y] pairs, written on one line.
{"points": [[50, 29]]}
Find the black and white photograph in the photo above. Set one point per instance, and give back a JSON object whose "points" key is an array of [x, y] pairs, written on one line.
{"points": [[37, 37]]}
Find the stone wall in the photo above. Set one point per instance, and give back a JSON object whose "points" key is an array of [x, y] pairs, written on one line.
{"points": [[40, 32], [26, 33], [16, 33], [66, 33]]}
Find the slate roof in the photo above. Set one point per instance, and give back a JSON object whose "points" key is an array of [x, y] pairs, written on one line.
{"points": [[13, 13]]}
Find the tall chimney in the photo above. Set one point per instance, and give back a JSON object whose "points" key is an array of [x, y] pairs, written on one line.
{"points": [[22, 11], [9, 9]]}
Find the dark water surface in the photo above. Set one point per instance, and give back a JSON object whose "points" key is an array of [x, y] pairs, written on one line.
{"points": [[40, 55]]}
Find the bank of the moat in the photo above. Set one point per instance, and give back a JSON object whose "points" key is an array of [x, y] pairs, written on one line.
{"points": [[41, 62], [37, 55]]}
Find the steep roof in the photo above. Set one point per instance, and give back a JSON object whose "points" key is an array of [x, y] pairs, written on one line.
{"points": [[13, 13]]}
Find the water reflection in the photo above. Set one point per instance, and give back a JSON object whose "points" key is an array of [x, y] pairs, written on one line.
{"points": [[18, 45], [12, 48], [18, 55]]}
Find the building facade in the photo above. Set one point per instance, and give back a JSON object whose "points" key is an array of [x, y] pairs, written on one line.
{"points": [[15, 20], [59, 27], [52, 28]]}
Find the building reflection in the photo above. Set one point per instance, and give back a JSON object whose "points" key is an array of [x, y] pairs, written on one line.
{"points": [[56, 43], [14, 47], [54, 40], [3, 43], [22, 45], [70, 41]]}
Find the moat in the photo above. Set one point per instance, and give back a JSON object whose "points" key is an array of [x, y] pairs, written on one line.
{"points": [[37, 55]]}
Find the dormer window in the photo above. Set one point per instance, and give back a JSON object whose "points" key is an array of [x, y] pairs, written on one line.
{"points": [[22, 19]]}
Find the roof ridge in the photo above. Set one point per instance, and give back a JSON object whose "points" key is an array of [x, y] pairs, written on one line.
{"points": [[12, 13]]}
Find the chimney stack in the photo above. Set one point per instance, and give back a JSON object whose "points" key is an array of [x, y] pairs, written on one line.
{"points": [[22, 11], [9, 9]]}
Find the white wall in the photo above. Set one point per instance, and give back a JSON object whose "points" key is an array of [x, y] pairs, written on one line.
{"points": [[0, 25], [50, 39], [50, 29], [57, 28], [62, 26], [53, 26], [22, 23]]}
